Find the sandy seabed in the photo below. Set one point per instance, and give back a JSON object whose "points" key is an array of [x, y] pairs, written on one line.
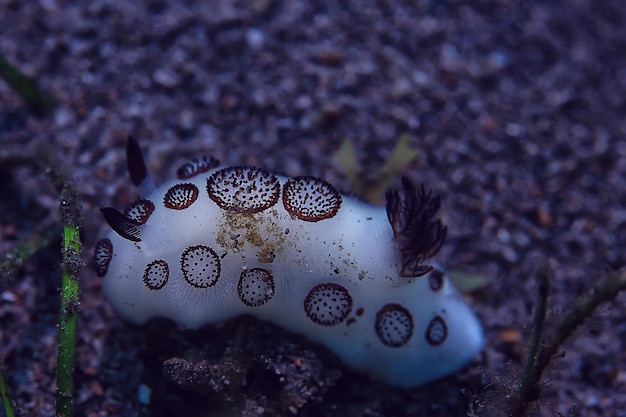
{"points": [[517, 109]]}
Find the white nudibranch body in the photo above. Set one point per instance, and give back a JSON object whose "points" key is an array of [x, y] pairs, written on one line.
{"points": [[221, 242]]}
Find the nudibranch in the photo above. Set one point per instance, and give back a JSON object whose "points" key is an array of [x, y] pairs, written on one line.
{"points": [[216, 243]]}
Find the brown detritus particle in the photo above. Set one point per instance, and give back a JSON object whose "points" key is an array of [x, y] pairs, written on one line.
{"points": [[261, 232], [266, 255], [511, 336]]}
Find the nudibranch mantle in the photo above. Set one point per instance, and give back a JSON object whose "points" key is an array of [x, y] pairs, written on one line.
{"points": [[217, 243]]}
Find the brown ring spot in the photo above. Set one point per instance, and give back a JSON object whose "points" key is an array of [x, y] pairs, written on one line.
{"points": [[196, 167], [255, 287], [140, 210], [180, 196], [156, 274], [394, 325], [311, 199], [437, 331], [328, 304], [243, 189], [435, 280], [102, 255], [200, 266]]}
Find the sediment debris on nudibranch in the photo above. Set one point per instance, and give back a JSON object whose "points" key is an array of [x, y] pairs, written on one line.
{"points": [[217, 243]]}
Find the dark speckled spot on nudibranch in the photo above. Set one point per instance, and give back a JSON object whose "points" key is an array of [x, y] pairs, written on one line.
{"points": [[156, 274], [140, 210], [437, 331], [328, 304], [180, 196], [435, 280], [102, 255], [394, 325], [243, 189], [256, 287], [311, 199], [196, 167], [200, 266]]}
